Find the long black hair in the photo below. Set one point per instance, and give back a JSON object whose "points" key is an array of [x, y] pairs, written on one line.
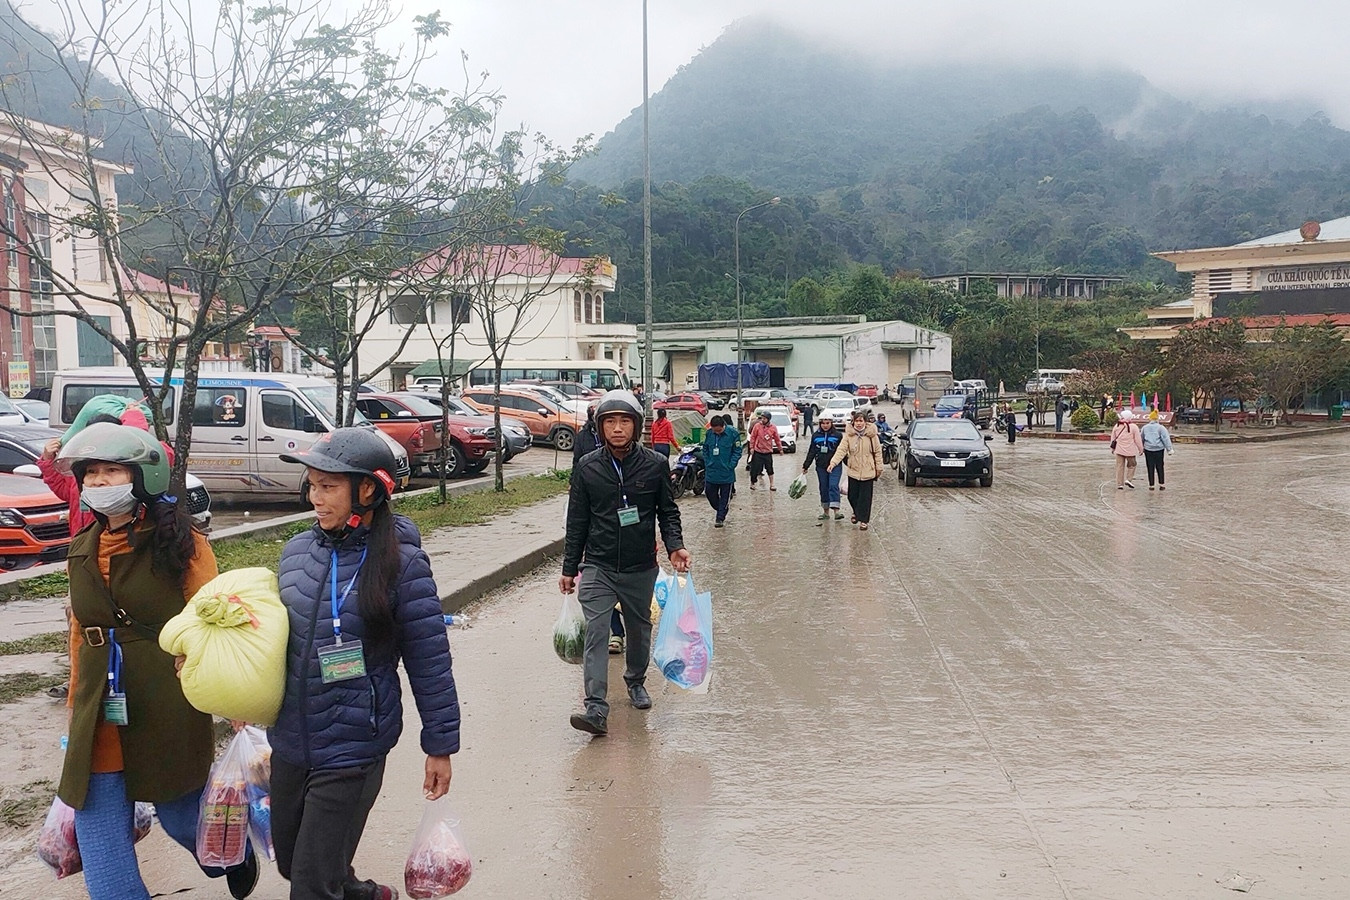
{"points": [[379, 575], [173, 545]]}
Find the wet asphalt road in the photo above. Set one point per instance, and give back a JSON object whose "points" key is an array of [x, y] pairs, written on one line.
{"points": [[1045, 689]]}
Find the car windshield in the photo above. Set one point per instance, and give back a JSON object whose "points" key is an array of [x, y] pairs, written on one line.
{"points": [[419, 406], [325, 398], [7, 406], [951, 401], [839, 403], [781, 419], [945, 430]]}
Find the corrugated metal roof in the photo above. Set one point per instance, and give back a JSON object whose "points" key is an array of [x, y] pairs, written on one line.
{"points": [[764, 332], [1335, 230]]}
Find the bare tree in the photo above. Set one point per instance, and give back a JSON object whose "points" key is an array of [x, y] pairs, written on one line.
{"points": [[288, 152]]}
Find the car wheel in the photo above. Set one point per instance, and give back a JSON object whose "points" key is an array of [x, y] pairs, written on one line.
{"points": [[909, 475], [454, 462], [987, 480], [563, 439], [476, 468]]}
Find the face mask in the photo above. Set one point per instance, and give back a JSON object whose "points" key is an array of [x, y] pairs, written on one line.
{"points": [[114, 500], [860, 427]]}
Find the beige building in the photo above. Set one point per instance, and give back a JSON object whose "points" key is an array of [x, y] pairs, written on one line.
{"points": [[1302, 275]]}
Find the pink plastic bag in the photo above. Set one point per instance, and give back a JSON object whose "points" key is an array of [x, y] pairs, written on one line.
{"points": [[57, 846], [439, 864]]}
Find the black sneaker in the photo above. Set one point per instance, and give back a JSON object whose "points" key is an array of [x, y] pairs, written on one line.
{"points": [[368, 890], [591, 723], [243, 878], [719, 524], [638, 694]]}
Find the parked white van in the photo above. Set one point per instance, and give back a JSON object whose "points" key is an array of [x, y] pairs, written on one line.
{"points": [[241, 423]]}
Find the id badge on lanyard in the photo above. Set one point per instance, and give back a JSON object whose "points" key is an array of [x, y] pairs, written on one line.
{"points": [[628, 515], [342, 661], [114, 699]]}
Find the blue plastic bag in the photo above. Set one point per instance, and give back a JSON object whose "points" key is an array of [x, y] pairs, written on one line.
{"points": [[683, 649]]}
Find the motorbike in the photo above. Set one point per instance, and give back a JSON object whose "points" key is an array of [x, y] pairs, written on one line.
{"points": [[890, 449], [687, 472]]}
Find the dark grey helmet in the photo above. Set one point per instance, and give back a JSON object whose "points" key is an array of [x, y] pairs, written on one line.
{"points": [[620, 403], [351, 451]]}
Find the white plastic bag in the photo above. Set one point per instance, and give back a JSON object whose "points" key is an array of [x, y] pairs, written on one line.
{"points": [[439, 863], [57, 846], [258, 792], [569, 632], [797, 489], [683, 648]]}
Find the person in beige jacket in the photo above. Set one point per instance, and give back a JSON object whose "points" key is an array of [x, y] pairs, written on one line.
{"points": [[861, 447]]}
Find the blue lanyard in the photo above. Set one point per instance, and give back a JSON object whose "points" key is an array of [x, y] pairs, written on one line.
{"points": [[114, 663], [338, 601], [619, 471]]}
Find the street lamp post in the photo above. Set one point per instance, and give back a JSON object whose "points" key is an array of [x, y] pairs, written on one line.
{"points": [[740, 318]]}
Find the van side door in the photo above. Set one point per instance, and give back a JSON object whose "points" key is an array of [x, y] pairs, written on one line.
{"points": [[222, 442], [286, 425]]}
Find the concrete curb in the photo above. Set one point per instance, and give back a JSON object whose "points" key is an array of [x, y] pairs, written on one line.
{"points": [[1221, 438], [11, 583], [455, 600]]}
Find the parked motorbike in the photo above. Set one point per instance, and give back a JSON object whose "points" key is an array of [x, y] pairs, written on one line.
{"points": [[890, 449], [688, 471]]}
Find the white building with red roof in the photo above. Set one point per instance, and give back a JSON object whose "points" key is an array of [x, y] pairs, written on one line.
{"points": [[553, 306]]}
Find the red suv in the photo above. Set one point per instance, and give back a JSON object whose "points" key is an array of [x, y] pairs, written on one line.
{"points": [[466, 451], [683, 401], [34, 523]]}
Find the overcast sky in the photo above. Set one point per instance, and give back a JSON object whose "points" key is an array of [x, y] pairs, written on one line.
{"points": [[572, 67]]}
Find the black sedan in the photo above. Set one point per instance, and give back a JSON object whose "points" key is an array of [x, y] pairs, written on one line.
{"points": [[945, 448]]}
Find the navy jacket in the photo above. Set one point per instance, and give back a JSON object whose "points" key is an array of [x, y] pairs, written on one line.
{"points": [[823, 445], [356, 722], [720, 468]]}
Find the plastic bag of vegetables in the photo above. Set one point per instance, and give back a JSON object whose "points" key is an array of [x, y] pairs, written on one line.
{"points": [[569, 632], [797, 489]]}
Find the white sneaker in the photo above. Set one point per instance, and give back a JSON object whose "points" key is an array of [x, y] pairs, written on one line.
{"points": [[1129, 484]]}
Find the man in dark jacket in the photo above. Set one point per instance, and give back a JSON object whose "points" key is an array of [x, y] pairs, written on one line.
{"points": [[721, 453], [619, 493], [587, 439]]}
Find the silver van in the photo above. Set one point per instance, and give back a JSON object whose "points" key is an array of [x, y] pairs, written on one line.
{"points": [[241, 423]]}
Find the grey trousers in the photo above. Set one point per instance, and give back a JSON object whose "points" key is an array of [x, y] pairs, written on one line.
{"points": [[599, 590]]}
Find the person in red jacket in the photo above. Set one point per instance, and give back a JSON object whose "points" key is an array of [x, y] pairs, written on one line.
{"points": [[764, 443], [63, 486], [663, 434]]}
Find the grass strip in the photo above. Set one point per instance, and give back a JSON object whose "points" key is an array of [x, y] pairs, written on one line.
{"points": [[51, 642], [24, 684], [27, 804], [426, 511]]}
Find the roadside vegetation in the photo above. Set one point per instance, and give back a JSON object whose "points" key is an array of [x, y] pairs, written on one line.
{"points": [[51, 642], [426, 510]]}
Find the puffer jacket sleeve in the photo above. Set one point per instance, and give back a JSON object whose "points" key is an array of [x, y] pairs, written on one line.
{"points": [[578, 523], [426, 656]]}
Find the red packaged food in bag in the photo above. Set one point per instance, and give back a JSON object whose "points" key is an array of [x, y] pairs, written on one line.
{"points": [[439, 864], [222, 828], [57, 846]]}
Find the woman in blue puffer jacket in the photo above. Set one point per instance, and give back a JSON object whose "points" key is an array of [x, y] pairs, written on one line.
{"points": [[360, 595]]}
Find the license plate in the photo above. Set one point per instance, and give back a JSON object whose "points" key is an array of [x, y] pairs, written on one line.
{"points": [[953, 463]]}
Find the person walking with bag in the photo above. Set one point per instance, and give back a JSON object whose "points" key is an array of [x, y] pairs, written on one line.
{"points": [[824, 443], [1126, 444], [721, 454], [1157, 443], [861, 447], [361, 598], [132, 734], [764, 443], [618, 496]]}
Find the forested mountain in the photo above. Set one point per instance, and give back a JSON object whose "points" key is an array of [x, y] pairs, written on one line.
{"points": [[958, 168]]}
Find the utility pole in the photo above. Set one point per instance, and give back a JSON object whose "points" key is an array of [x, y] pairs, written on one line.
{"points": [[646, 227]]}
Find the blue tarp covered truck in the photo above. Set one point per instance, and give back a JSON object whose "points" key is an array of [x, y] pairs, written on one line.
{"points": [[722, 376]]}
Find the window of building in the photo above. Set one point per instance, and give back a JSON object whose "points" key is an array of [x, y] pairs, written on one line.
{"points": [[411, 309], [576, 306], [11, 224], [89, 264], [599, 306], [460, 307], [588, 306], [43, 366], [219, 407]]}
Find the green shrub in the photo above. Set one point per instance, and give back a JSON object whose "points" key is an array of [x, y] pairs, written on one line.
{"points": [[1084, 418], [1110, 419]]}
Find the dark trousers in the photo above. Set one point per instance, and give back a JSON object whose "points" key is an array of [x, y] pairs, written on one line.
{"points": [[760, 463], [1153, 460], [599, 591], [719, 497], [860, 498], [663, 449], [317, 819], [1012, 430], [1059, 420]]}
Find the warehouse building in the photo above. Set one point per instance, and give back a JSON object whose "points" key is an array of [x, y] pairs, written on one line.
{"points": [[804, 351]]}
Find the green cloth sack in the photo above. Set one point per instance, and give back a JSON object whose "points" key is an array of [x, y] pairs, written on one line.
{"points": [[233, 633], [105, 405], [797, 489]]}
